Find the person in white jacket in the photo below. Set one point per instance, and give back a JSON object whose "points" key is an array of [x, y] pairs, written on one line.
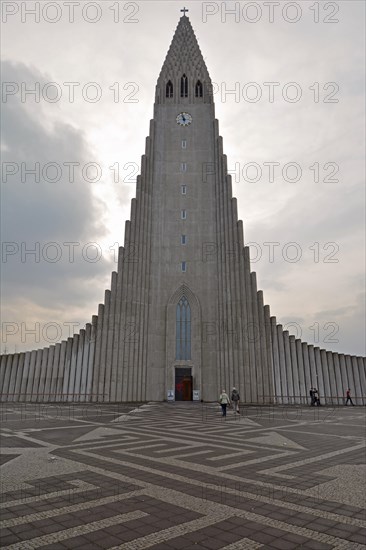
{"points": [[224, 401]]}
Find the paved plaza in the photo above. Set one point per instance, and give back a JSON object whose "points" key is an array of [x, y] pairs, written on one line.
{"points": [[173, 476]]}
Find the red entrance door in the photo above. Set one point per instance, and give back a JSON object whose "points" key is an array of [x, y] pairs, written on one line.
{"points": [[187, 388], [183, 384]]}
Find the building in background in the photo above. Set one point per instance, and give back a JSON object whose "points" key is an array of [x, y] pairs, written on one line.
{"points": [[183, 317]]}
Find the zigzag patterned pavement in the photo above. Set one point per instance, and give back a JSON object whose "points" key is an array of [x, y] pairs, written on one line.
{"points": [[179, 476]]}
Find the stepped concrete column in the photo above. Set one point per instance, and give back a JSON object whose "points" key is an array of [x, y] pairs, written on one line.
{"points": [[357, 392], [281, 351], [250, 329], [319, 373], [98, 351], [257, 341], [84, 362], [344, 375], [4, 359], [91, 359], [25, 377], [300, 364], [325, 371], [103, 352], [55, 370], [19, 378], [36, 375], [49, 374], [269, 347], [263, 344], [295, 369], [61, 372], [11, 366], [246, 390], [307, 370], [74, 353], [116, 378], [276, 362], [349, 370], [338, 379], [332, 378], [110, 338], [362, 373], [313, 366], [79, 365], [290, 383], [43, 374], [66, 377]]}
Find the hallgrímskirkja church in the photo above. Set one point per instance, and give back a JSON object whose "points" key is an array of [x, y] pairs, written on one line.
{"points": [[183, 317]]}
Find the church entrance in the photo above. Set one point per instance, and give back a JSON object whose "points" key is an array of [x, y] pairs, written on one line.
{"points": [[183, 384]]}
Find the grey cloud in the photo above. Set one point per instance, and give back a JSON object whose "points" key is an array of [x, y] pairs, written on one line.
{"points": [[46, 212]]}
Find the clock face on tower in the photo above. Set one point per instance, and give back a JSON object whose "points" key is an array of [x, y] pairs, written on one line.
{"points": [[184, 119]]}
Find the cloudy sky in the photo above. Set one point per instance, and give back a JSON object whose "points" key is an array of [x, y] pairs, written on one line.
{"points": [[94, 67]]}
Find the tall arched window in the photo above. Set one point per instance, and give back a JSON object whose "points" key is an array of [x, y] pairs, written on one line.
{"points": [[199, 89], [169, 89], [184, 86], [183, 330]]}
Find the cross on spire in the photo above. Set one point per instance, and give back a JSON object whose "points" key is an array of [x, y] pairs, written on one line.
{"points": [[184, 11]]}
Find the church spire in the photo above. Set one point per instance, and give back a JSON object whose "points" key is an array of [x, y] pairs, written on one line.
{"points": [[184, 77]]}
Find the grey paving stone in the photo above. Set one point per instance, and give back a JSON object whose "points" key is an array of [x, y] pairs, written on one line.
{"points": [[82, 499]]}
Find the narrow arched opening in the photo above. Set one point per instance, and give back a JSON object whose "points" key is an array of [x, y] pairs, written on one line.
{"points": [[198, 89], [184, 86], [183, 330], [169, 89]]}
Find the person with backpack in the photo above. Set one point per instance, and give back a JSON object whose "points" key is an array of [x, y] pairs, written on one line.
{"points": [[312, 397], [235, 398]]}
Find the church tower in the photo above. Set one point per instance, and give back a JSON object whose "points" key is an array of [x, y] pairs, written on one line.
{"points": [[178, 305], [205, 311], [198, 300], [183, 318], [190, 297]]}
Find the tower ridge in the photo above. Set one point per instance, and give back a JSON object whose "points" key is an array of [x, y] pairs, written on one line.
{"points": [[184, 57]]}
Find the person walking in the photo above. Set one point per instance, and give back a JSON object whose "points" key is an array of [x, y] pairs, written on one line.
{"points": [[235, 398], [312, 397], [349, 398], [316, 397], [224, 401]]}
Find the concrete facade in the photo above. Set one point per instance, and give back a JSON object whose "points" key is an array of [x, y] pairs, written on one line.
{"points": [[183, 268]]}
